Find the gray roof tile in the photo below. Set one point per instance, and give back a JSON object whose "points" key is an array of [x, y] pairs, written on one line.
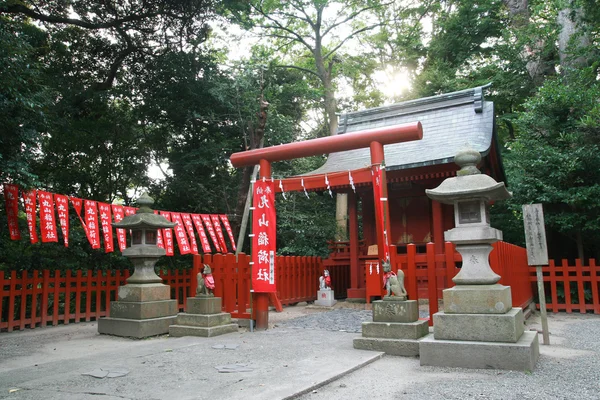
{"points": [[449, 122]]}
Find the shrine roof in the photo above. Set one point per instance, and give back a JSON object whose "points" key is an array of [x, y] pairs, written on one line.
{"points": [[449, 122]]}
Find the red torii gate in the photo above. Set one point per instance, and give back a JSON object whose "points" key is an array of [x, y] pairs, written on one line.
{"points": [[375, 139]]}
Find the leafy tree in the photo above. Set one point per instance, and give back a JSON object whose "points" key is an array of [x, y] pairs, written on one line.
{"points": [[24, 99], [554, 161]]}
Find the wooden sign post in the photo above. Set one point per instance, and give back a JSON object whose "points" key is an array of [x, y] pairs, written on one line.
{"points": [[537, 254]]}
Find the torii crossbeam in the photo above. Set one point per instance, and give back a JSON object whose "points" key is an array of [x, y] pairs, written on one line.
{"points": [[375, 139]]}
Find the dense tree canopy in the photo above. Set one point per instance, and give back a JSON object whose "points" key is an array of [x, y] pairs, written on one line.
{"points": [[92, 93]]}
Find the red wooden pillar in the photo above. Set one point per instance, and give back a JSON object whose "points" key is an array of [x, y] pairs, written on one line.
{"points": [[261, 300], [438, 226], [438, 241], [382, 226], [354, 265]]}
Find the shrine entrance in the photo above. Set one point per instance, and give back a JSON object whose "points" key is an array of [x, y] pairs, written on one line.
{"points": [[263, 218]]}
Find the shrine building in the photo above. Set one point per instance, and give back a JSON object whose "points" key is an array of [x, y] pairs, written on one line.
{"points": [[450, 121]]}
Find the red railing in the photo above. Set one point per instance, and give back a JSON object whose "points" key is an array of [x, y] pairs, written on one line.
{"points": [[427, 274], [297, 277], [570, 288], [38, 298]]}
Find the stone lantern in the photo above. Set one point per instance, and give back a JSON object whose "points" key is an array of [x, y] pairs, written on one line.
{"points": [[479, 327], [471, 192], [144, 306]]}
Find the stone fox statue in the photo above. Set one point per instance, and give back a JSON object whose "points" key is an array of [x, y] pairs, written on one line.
{"points": [[393, 283], [325, 280], [206, 282]]}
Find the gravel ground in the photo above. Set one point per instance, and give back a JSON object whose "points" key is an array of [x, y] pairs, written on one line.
{"points": [[567, 369], [341, 320]]}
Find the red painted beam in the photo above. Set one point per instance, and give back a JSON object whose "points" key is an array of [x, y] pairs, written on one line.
{"points": [[330, 144]]}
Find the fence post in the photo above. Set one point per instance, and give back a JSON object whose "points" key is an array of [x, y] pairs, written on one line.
{"points": [[412, 289], [580, 290], [566, 285], [11, 299], [67, 310], [594, 282], [34, 302], [23, 307], [431, 281]]}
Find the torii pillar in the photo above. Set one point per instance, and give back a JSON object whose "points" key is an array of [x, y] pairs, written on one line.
{"points": [[374, 139]]}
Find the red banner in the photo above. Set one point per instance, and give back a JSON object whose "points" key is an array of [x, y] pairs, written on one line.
{"points": [[219, 232], [119, 214], [130, 211], [77, 205], [168, 234], [105, 221], [30, 200], [211, 231], [62, 206], [182, 240], [189, 227], [47, 221], [91, 219], [377, 175], [203, 239], [263, 237], [159, 237], [11, 200], [228, 229]]}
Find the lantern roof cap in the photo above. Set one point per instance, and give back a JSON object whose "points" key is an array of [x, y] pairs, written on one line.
{"points": [[144, 217], [469, 183]]}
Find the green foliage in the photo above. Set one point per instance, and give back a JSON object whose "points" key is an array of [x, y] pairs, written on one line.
{"points": [[24, 100], [555, 159]]}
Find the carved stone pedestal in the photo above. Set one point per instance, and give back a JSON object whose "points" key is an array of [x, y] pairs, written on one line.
{"points": [[142, 310], [395, 329], [325, 298], [479, 329], [204, 318]]}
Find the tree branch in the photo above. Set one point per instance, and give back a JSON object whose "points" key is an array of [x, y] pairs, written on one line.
{"points": [[310, 71], [350, 17], [350, 36], [21, 9]]}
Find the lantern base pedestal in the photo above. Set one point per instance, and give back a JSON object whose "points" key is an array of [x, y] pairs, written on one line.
{"points": [[519, 356], [395, 329], [142, 310], [204, 318], [133, 328]]}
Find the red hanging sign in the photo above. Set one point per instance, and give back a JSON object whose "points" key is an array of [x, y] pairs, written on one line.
{"points": [[119, 214], [203, 239], [228, 229], [62, 206], [105, 221], [211, 231], [263, 239], [130, 211], [189, 227], [30, 200], [47, 221], [159, 237], [219, 232], [11, 199], [168, 234], [91, 219], [377, 176], [182, 240], [77, 205]]}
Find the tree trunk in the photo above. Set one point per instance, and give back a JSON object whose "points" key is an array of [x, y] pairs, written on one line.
{"points": [[256, 141], [537, 67], [571, 38]]}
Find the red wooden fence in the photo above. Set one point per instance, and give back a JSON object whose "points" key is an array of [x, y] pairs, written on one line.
{"points": [[570, 287], [426, 272], [38, 298]]}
